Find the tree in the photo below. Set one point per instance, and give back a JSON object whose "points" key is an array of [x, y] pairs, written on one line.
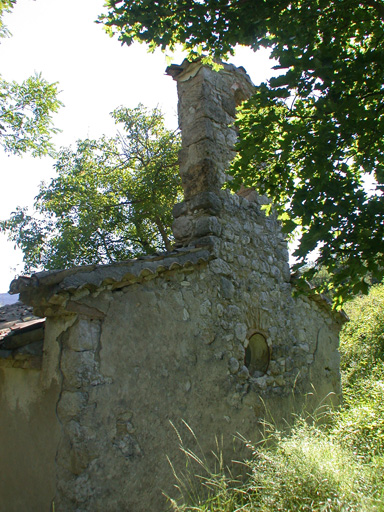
{"points": [[26, 109], [111, 199], [25, 115], [5, 6], [309, 136]]}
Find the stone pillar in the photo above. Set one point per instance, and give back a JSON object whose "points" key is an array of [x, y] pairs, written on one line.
{"points": [[207, 110]]}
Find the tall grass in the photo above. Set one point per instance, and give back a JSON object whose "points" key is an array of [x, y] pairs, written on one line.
{"points": [[205, 481], [362, 339], [336, 466], [307, 470], [360, 424]]}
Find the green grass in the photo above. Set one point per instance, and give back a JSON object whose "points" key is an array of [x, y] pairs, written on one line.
{"points": [[362, 339], [307, 470], [359, 425], [334, 466]]}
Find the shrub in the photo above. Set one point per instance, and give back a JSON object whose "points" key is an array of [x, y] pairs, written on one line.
{"points": [[362, 339], [308, 471], [360, 423]]}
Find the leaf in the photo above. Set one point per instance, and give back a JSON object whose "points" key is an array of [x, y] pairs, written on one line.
{"points": [[111, 198]]}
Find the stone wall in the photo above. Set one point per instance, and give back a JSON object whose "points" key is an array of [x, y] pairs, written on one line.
{"points": [[208, 336], [29, 432], [172, 347], [207, 110], [301, 333]]}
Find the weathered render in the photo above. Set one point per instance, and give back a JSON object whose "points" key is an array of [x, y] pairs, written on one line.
{"points": [[208, 335], [29, 431]]}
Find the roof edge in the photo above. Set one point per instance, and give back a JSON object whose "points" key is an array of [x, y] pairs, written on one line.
{"points": [[53, 288]]}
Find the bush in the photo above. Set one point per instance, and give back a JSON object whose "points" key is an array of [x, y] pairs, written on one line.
{"points": [[360, 423], [308, 471], [362, 339]]}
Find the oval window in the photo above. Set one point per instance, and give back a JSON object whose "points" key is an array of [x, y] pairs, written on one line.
{"points": [[257, 354]]}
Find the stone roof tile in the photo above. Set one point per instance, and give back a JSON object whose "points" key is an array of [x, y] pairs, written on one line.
{"points": [[16, 325], [48, 286]]}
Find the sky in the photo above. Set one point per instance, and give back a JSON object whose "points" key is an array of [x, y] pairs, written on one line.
{"points": [[95, 74]]}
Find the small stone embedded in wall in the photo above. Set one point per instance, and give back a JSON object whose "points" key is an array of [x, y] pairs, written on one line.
{"points": [[260, 382], [243, 373], [182, 228], [205, 307], [219, 266], [220, 310], [124, 438], [227, 288], [233, 365], [241, 331], [128, 446]]}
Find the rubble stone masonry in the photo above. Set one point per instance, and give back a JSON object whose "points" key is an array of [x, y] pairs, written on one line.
{"points": [[208, 338]]}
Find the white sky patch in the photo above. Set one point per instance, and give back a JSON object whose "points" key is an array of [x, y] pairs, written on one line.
{"points": [[95, 74], [370, 185]]}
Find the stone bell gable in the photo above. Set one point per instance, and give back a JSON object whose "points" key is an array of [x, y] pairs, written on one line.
{"points": [[251, 254], [207, 110], [208, 335]]}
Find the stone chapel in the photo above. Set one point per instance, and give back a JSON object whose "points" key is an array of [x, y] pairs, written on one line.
{"points": [[208, 335]]}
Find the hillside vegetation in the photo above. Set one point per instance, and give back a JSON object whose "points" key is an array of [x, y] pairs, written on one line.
{"points": [[336, 465]]}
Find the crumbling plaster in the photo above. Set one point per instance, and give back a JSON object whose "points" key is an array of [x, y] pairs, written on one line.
{"points": [[29, 430]]}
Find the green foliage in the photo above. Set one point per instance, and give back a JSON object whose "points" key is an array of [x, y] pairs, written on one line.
{"points": [[5, 6], [209, 27], [308, 136], [111, 198], [317, 129], [26, 109], [360, 425], [306, 470], [26, 115], [362, 339]]}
